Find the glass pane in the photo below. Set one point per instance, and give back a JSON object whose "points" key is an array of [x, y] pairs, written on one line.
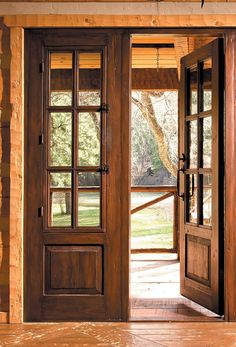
{"points": [[60, 199], [207, 141], [89, 93], [60, 79], [192, 132], [207, 200], [191, 182], [193, 91], [89, 134], [207, 87], [59, 133], [89, 199]]}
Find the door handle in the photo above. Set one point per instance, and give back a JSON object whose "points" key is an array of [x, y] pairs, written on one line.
{"points": [[181, 195]]}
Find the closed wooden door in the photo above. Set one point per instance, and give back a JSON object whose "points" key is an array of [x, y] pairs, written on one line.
{"points": [[72, 230], [200, 176]]}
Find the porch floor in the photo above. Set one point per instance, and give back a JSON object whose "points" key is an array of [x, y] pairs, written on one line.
{"points": [[155, 291], [120, 334]]}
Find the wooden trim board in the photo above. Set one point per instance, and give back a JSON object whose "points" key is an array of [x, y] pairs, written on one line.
{"points": [[150, 21]]}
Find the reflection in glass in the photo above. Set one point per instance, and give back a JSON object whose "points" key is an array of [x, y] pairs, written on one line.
{"points": [[207, 141], [60, 79], [89, 134], [207, 87], [207, 200], [89, 79], [89, 199], [60, 199], [191, 181], [193, 91], [59, 133], [193, 143]]}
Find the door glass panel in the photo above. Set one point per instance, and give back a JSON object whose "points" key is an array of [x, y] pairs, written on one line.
{"points": [[207, 141], [60, 199], [191, 185], [192, 132], [207, 87], [60, 138], [61, 79], [89, 78], [89, 199], [89, 134], [193, 91], [207, 199]]}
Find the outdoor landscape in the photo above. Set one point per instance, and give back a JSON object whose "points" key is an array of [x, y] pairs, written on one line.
{"points": [[154, 163]]}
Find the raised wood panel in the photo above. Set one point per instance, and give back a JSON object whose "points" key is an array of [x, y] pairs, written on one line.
{"points": [[74, 269], [198, 259]]}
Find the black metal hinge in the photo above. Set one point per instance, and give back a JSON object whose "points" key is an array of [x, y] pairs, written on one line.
{"points": [[41, 139], [104, 169], [105, 108], [41, 67]]}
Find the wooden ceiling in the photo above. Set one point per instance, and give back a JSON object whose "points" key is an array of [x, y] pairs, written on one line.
{"points": [[141, 57]]}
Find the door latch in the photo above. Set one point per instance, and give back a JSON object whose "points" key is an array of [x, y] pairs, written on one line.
{"points": [[104, 169]]}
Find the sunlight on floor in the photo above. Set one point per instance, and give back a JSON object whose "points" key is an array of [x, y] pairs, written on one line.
{"points": [[155, 290]]}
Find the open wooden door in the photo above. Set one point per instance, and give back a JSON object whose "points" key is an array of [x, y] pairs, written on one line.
{"points": [[73, 174], [200, 176]]}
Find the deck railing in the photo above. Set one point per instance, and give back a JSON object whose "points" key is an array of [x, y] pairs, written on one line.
{"points": [[168, 190]]}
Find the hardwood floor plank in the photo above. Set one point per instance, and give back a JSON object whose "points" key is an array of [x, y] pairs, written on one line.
{"points": [[120, 334]]}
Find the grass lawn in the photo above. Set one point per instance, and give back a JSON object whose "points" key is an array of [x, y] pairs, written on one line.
{"points": [[150, 228]]}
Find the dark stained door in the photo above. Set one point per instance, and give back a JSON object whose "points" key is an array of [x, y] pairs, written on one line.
{"points": [[201, 176], [72, 230]]}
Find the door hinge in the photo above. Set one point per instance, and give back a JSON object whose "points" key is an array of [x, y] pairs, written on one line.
{"points": [[41, 139], [40, 211], [41, 67], [105, 108]]}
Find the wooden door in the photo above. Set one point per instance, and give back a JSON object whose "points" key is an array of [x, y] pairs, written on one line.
{"points": [[200, 176], [72, 231]]}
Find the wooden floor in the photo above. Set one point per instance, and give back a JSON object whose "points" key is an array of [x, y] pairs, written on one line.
{"points": [[155, 291], [120, 334]]}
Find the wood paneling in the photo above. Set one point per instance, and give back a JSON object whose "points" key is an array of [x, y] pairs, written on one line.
{"points": [[74, 269], [142, 79]]}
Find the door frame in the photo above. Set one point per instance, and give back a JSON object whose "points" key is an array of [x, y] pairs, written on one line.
{"points": [[17, 25]]}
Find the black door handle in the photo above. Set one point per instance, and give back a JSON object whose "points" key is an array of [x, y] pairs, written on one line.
{"points": [[181, 195]]}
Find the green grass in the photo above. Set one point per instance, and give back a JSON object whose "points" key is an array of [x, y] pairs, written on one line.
{"points": [[150, 228]]}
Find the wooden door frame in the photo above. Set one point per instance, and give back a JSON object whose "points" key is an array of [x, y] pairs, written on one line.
{"points": [[133, 24]]}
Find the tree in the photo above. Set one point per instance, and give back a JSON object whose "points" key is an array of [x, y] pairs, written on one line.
{"points": [[145, 101]]}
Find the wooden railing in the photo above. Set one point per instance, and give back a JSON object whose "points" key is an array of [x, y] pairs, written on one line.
{"points": [[170, 191]]}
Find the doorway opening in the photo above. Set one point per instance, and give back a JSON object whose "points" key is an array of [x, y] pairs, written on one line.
{"points": [[155, 244]]}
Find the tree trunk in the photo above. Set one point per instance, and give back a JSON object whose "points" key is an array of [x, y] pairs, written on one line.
{"points": [[146, 107], [68, 203]]}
